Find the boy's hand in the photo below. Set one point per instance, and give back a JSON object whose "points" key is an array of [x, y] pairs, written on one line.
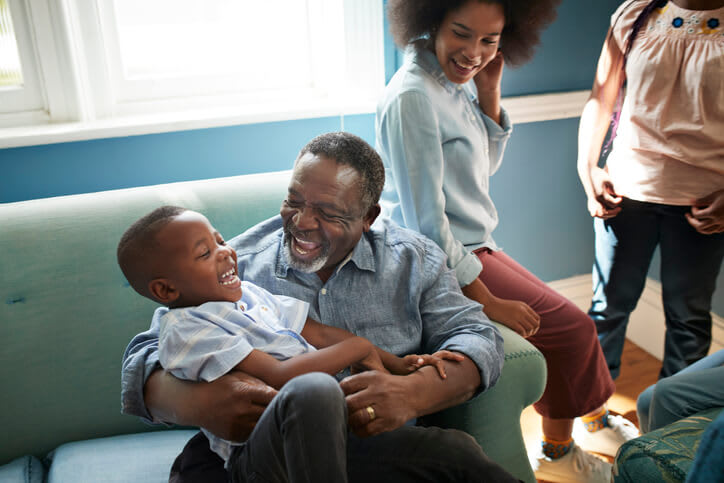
{"points": [[372, 362], [413, 362]]}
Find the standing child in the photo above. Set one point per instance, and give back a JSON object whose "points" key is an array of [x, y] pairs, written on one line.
{"points": [[663, 182]]}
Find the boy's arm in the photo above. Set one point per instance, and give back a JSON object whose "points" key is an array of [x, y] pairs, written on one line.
{"points": [[330, 359], [321, 336]]}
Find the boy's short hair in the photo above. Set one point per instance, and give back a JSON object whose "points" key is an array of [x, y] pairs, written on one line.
{"points": [[138, 246]]}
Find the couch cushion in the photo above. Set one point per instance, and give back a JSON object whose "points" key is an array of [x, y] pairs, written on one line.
{"points": [[140, 458], [665, 454], [26, 469]]}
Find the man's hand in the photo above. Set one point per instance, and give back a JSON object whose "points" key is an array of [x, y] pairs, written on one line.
{"points": [[604, 203], [229, 407], [707, 214], [392, 399]]}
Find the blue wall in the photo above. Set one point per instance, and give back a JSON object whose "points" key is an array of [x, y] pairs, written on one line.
{"points": [[544, 224]]}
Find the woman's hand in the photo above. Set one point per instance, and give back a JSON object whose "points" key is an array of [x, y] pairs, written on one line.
{"points": [[487, 81], [707, 214], [513, 314], [489, 77], [604, 203]]}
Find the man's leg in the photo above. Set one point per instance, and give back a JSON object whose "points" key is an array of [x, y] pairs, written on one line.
{"points": [[413, 454], [696, 388], [301, 437], [624, 246], [690, 264]]}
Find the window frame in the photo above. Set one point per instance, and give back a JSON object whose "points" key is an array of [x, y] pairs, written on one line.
{"points": [[79, 99]]}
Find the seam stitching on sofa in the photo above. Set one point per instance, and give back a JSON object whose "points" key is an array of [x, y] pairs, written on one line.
{"points": [[519, 354]]}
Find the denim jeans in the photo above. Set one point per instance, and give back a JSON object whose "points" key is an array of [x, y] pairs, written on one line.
{"points": [[303, 437], [690, 263], [696, 388]]}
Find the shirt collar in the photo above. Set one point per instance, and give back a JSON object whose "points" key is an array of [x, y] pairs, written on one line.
{"points": [[428, 62], [362, 256]]}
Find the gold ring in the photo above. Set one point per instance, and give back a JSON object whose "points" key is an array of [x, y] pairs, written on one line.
{"points": [[371, 412]]}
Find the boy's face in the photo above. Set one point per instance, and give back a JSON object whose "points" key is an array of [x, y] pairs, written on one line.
{"points": [[196, 262]]}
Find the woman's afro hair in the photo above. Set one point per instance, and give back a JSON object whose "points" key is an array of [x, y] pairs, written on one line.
{"points": [[411, 20]]}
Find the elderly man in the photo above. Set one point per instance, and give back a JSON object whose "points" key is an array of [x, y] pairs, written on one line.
{"points": [[378, 281]]}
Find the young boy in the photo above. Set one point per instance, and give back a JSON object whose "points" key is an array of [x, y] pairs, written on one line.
{"points": [[218, 323]]}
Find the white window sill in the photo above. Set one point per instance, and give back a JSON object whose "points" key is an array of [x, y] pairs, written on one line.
{"points": [[521, 110], [131, 125]]}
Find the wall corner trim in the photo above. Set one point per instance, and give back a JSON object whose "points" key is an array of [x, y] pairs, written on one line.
{"points": [[545, 107]]}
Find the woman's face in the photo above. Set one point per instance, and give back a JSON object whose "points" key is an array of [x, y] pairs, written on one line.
{"points": [[468, 39]]}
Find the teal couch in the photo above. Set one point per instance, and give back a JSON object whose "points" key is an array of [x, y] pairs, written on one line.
{"points": [[67, 313]]}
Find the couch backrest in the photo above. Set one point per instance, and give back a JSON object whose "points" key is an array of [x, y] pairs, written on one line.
{"points": [[67, 313]]}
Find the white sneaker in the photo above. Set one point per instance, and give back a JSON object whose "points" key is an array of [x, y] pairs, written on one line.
{"points": [[576, 466], [607, 440]]}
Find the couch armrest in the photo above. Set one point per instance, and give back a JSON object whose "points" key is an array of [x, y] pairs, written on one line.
{"points": [[493, 418]]}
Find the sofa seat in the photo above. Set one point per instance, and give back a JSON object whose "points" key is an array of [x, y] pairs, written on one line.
{"points": [[103, 460]]}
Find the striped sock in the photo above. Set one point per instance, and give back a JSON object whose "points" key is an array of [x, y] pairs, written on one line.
{"points": [[596, 422], [555, 449]]}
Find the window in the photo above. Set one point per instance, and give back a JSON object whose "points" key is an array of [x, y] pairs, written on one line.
{"points": [[209, 61]]}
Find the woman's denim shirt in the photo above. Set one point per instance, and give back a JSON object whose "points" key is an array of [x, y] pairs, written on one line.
{"points": [[439, 151]]}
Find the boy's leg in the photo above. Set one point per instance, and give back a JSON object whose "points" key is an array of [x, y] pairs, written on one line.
{"points": [[198, 464], [413, 454], [690, 264], [301, 437]]}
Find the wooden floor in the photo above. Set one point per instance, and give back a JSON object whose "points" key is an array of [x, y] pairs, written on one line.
{"points": [[639, 369]]}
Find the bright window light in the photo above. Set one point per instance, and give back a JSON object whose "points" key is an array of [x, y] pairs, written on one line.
{"points": [[10, 72], [187, 38]]}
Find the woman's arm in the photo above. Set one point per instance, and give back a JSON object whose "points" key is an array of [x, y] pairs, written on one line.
{"points": [[595, 119]]}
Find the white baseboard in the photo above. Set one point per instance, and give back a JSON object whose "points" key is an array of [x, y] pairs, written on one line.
{"points": [[646, 327]]}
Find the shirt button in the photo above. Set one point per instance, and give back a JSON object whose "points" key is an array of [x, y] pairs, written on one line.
{"points": [[324, 291], [460, 88], [472, 118]]}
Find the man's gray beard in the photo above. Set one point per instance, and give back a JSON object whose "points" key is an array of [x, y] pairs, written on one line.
{"points": [[312, 266]]}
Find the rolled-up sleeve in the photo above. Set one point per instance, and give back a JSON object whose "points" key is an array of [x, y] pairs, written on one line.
{"points": [[139, 360], [453, 322]]}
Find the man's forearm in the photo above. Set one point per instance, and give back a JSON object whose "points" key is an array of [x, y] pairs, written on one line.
{"points": [[169, 399], [434, 393]]}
